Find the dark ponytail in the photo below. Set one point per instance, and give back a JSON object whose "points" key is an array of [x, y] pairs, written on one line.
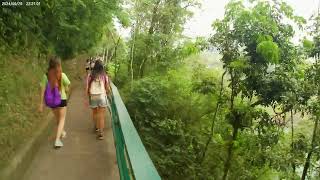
{"points": [[97, 72]]}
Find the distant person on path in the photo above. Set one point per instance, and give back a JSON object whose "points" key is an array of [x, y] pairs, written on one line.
{"points": [[92, 61], [88, 66], [97, 89], [54, 86]]}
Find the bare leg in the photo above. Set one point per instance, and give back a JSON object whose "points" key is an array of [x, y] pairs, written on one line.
{"points": [[56, 115], [61, 121], [56, 118], [108, 117], [95, 117], [101, 113]]}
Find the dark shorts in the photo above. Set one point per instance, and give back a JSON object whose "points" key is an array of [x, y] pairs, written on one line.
{"points": [[63, 103]]}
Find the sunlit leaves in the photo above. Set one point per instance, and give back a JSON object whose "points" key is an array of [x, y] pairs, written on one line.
{"points": [[239, 64], [308, 46], [262, 38], [269, 51]]}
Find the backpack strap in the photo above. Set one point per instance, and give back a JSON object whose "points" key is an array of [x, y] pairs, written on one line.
{"points": [[89, 81]]}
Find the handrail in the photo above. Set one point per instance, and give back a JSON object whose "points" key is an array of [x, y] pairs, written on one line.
{"points": [[133, 159]]}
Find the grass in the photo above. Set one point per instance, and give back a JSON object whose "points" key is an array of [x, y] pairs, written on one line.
{"points": [[19, 97]]}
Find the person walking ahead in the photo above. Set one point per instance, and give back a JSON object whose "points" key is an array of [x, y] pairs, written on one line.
{"points": [[54, 85], [88, 66], [97, 89]]}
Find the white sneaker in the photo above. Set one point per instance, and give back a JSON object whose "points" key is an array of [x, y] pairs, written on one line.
{"points": [[58, 143], [63, 134]]}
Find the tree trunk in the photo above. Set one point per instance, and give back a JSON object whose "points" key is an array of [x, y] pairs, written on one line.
{"points": [[154, 17], [292, 147], [131, 65], [114, 55], [213, 120], [235, 127], [114, 52], [105, 59], [141, 68], [107, 55], [230, 152], [307, 163], [27, 41], [132, 53], [150, 32]]}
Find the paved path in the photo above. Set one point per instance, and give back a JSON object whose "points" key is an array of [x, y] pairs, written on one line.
{"points": [[82, 157]]}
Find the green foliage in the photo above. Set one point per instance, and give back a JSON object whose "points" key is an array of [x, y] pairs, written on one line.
{"points": [[264, 69], [169, 126], [64, 27], [269, 51], [262, 38], [316, 35], [172, 100], [308, 46], [171, 146], [239, 64], [16, 105], [155, 43]]}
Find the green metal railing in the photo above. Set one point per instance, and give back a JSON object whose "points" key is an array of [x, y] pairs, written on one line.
{"points": [[133, 159]]}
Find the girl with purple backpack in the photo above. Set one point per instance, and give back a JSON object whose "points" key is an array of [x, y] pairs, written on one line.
{"points": [[98, 87], [54, 86]]}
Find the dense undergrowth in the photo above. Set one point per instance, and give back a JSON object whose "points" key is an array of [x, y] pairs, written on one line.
{"points": [[173, 113], [19, 94]]}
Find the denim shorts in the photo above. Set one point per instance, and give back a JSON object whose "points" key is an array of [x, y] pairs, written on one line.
{"points": [[98, 101]]}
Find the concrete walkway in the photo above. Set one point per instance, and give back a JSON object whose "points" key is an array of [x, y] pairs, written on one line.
{"points": [[82, 157]]}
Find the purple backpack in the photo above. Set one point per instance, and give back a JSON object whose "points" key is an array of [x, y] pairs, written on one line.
{"points": [[52, 96]]}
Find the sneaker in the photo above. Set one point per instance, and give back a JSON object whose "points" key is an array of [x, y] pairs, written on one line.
{"points": [[95, 129], [63, 134], [58, 143], [100, 135]]}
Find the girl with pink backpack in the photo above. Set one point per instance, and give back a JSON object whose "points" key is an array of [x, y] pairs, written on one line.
{"points": [[98, 87], [54, 86]]}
